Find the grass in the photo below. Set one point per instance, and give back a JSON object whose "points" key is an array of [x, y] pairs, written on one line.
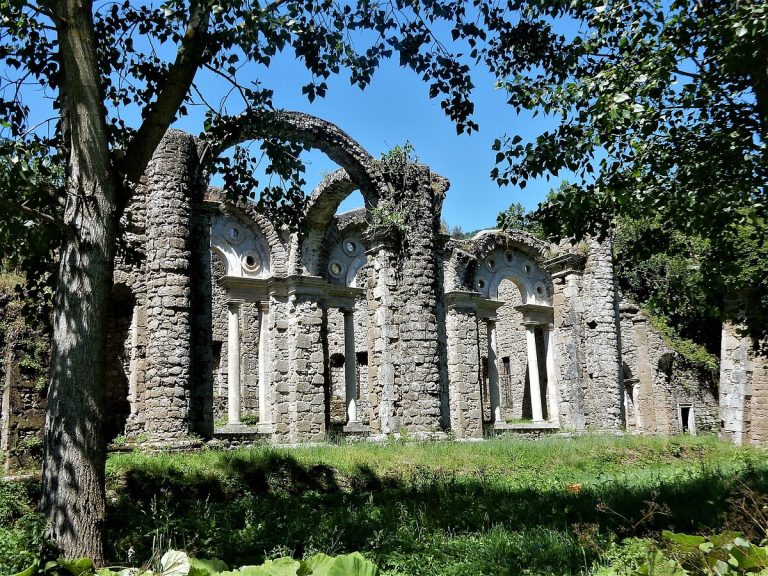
{"points": [[503, 506], [9, 280]]}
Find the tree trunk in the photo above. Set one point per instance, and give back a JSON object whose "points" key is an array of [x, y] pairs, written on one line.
{"points": [[75, 447]]}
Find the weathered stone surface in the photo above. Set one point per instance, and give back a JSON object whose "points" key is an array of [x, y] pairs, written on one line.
{"points": [[421, 306]]}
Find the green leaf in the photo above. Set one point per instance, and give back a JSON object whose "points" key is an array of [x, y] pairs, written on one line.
{"points": [[283, 567], [685, 540], [620, 97], [174, 563], [750, 557], [206, 566], [354, 564], [78, 567], [28, 572], [320, 564], [247, 571]]}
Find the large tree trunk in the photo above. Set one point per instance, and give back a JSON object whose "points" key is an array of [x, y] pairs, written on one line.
{"points": [[75, 447]]}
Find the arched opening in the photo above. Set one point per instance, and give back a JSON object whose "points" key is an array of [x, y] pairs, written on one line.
{"points": [[514, 354], [631, 422], [513, 374], [125, 344], [352, 202]]}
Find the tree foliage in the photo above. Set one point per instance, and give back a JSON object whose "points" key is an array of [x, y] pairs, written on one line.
{"points": [[516, 217], [660, 109], [664, 270]]}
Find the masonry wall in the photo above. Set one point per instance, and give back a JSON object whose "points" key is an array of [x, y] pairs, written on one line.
{"points": [[602, 399], [464, 372], [25, 353], [743, 386], [659, 381], [512, 355]]}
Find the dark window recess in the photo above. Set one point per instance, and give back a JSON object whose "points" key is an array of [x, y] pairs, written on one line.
{"points": [[506, 366], [685, 414], [362, 358], [592, 324], [337, 360]]}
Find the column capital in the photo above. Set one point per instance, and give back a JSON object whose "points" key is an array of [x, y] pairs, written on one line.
{"points": [[531, 324], [263, 305], [348, 311], [234, 301]]}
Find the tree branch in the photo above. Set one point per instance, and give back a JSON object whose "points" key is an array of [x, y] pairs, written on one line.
{"points": [[177, 85], [12, 206]]}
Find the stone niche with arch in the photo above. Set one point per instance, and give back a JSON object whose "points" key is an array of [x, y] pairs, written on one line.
{"points": [[233, 327]]}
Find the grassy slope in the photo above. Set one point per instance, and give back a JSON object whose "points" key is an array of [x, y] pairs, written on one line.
{"points": [[496, 507]]}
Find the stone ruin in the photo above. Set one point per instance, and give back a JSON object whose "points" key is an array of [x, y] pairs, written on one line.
{"points": [[366, 323]]}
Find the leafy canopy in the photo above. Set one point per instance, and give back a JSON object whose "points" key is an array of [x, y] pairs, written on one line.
{"points": [[660, 111]]}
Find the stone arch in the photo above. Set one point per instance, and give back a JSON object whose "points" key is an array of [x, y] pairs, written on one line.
{"points": [[514, 256], [311, 132], [359, 171], [264, 235]]}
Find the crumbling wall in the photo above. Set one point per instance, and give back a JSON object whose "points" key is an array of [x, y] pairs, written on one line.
{"points": [[661, 384], [512, 355], [743, 384], [24, 379]]}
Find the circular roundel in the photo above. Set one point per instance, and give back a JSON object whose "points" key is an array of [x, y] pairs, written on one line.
{"points": [[234, 234], [480, 283], [509, 257], [490, 263], [251, 261], [540, 289], [336, 269], [350, 247]]}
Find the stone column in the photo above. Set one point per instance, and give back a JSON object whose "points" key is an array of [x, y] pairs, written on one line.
{"points": [[383, 337], [464, 370], [551, 377], [493, 372], [645, 405], [233, 362], [350, 367], [533, 372], [603, 384], [306, 366], [172, 181], [265, 420], [567, 338], [133, 375]]}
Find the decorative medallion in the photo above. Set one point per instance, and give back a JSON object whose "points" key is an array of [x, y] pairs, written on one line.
{"points": [[251, 261]]}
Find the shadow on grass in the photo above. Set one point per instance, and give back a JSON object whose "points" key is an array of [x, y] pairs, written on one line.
{"points": [[256, 505]]}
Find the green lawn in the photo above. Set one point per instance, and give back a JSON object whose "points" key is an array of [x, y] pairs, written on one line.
{"points": [[496, 507]]}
